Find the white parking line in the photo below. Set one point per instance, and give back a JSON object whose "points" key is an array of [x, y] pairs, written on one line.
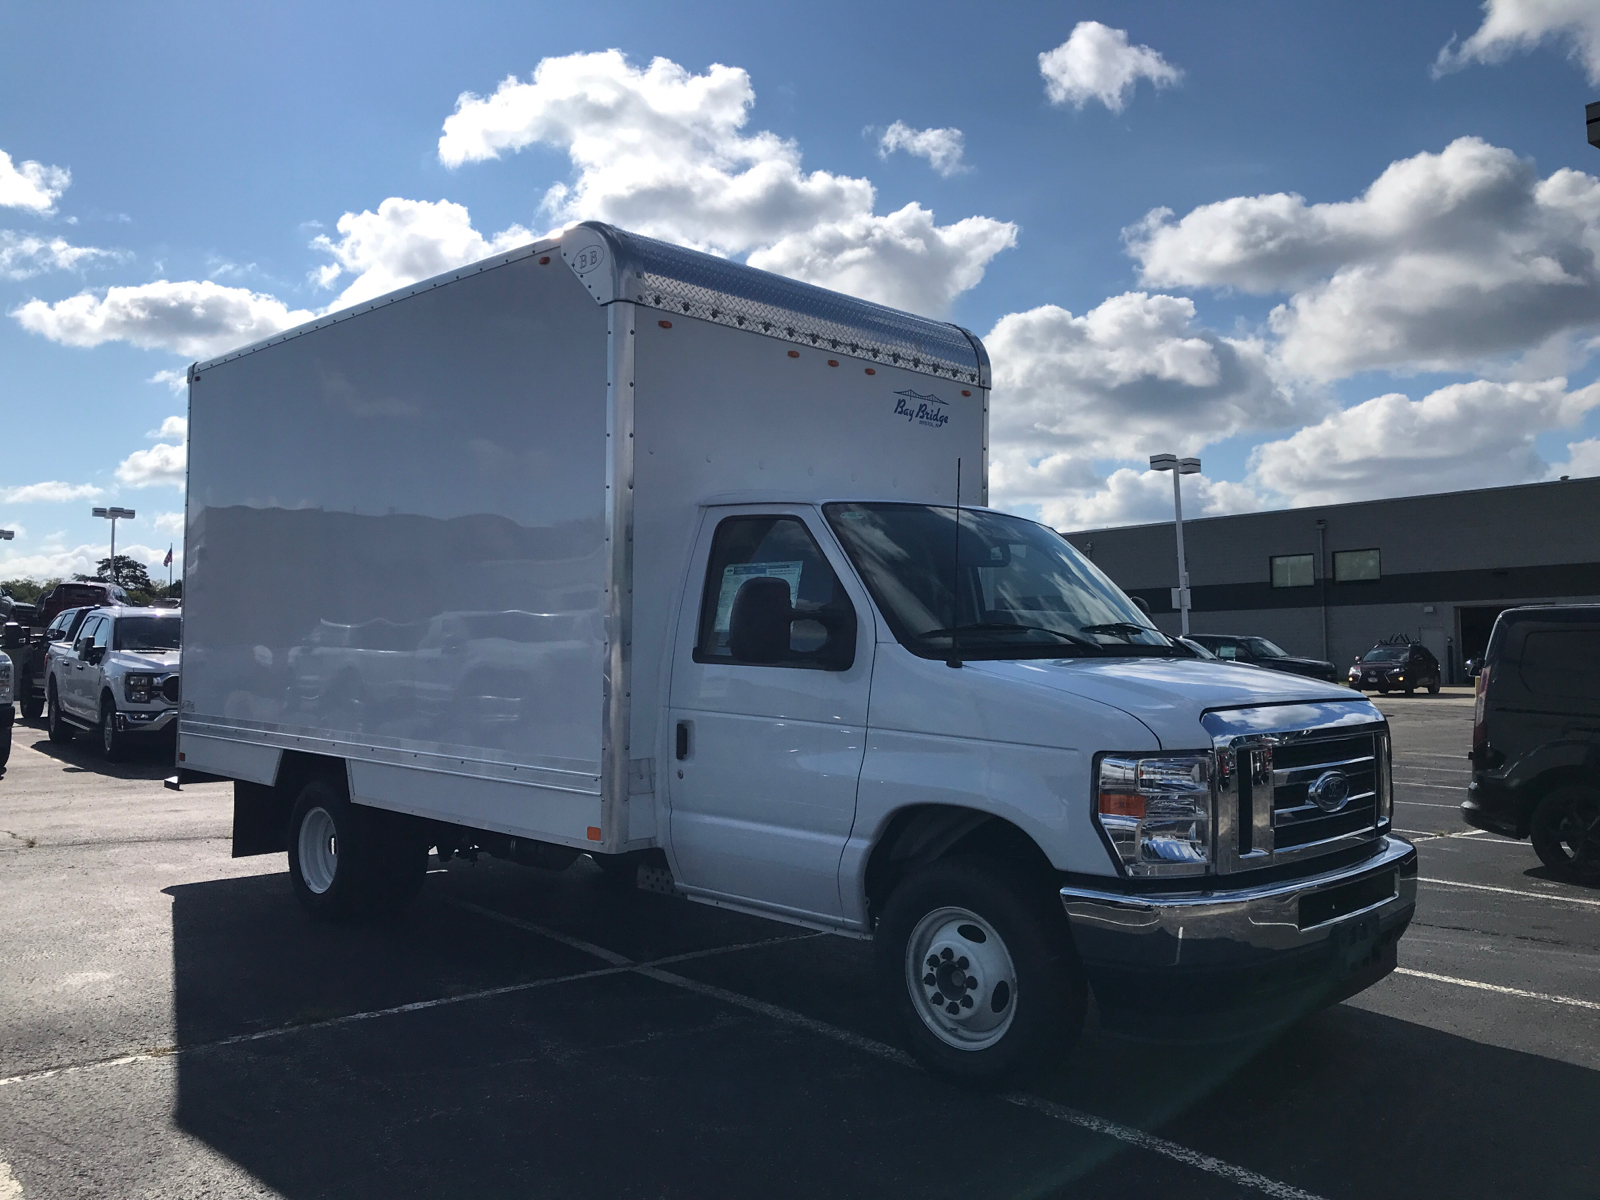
{"points": [[1443, 787], [1495, 987], [1484, 887], [1411, 766], [1425, 804], [1123, 1133]]}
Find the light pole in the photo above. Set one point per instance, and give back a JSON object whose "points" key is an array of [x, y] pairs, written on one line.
{"points": [[1178, 467], [114, 515]]}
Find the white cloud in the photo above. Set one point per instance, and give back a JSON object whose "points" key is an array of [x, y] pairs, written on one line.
{"points": [[52, 491], [1447, 262], [23, 256], [403, 242], [1097, 63], [194, 318], [1510, 26], [1134, 376], [172, 427], [1136, 497], [905, 259], [56, 562], [178, 381], [941, 147], [169, 522], [1466, 435], [662, 151], [31, 185], [163, 463]]}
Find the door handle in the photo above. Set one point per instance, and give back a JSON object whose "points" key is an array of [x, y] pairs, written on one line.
{"points": [[683, 740]]}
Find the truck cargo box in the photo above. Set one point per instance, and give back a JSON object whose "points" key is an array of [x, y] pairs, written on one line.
{"points": [[441, 536]]}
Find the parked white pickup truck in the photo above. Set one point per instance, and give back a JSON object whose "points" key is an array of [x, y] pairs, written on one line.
{"points": [[794, 666], [117, 679]]}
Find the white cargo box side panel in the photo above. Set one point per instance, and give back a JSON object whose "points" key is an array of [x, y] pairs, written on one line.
{"points": [[396, 548], [719, 410]]}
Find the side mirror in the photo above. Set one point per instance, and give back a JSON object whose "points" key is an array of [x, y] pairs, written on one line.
{"points": [[758, 625], [1141, 604], [12, 636], [82, 646]]}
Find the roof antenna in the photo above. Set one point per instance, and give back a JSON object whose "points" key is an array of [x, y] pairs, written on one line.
{"points": [[955, 583]]}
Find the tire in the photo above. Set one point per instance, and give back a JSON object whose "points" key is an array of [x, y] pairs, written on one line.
{"points": [[1022, 1006], [60, 731], [1411, 689], [1382, 691], [5, 747], [346, 860], [1565, 832], [113, 743], [32, 706], [620, 871], [1433, 688]]}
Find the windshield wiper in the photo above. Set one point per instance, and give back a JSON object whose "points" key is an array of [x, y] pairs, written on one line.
{"points": [[1117, 627], [992, 626]]}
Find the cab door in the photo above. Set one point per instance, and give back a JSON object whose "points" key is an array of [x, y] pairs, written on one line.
{"points": [[768, 741], [80, 686]]}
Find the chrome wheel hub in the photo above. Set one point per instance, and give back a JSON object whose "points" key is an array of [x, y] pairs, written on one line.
{"points": [[961, 978], [318, 845]]}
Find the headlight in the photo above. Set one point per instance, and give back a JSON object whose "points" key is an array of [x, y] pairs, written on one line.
{"points": [[5, 679], [138, 687], [1156, 811]]}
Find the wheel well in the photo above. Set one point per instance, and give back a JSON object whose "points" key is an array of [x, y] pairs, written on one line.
{"points": [[297, 768], [924, 833], [1548, 781]]}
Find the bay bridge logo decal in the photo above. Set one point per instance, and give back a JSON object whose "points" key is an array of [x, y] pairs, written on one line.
{"points": [[924, 410]]}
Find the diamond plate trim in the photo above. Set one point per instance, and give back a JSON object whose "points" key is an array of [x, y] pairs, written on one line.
{"points": [[672, 279]]}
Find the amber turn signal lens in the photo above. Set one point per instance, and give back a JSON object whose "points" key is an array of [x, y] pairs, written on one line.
{"points": [[1122, 804], [665, 324]]}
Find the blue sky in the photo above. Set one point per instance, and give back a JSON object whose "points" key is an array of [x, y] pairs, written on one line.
{"points": [[1310, 339]]}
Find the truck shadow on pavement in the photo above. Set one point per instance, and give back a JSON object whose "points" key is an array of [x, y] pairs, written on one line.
{"points": [[81, 754], [505, 1062]]}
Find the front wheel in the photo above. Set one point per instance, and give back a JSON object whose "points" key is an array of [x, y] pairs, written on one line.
{"points": [[1433, 688], [32, 706], [60, 731], [1565, 832], [113, 743], [979, 973]]}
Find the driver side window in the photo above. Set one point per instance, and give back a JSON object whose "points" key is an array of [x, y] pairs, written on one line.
{"points": [[813, 626], [102, 634]]}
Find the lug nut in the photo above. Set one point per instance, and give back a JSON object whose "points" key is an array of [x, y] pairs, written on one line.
{"points": [[930, 979], [952, 1008], [962, 962], [947, 954], [938, 998], [933, 961]]}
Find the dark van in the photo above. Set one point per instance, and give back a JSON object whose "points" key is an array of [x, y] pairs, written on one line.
{"points": [[1536, 736]]}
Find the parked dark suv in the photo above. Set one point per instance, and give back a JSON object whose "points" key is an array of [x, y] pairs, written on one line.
{"points": [[1536, 736], [1397, 667], [1259, 652]]}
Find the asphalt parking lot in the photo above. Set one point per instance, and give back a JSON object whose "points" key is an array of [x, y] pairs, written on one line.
{"points": [[175, 1027]]}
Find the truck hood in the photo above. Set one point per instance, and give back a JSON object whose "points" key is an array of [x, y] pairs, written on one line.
{"points": [[1168, 695], [140, 660]]}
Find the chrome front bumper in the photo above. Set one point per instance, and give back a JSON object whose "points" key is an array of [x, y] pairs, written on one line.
{"points": [[1322, 936]]}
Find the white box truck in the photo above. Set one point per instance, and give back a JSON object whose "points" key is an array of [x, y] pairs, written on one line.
{"points": [[607, 546]]}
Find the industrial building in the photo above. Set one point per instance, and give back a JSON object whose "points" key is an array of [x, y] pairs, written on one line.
{"points": [[1329, 582]]}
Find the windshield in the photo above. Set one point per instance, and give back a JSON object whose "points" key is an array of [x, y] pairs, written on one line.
{"points": [[148, 633], [1020, 590], [1261, 648], [1387, 654]]}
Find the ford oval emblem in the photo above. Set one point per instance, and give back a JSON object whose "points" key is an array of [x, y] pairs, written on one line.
{"points": [[1330, 791]]}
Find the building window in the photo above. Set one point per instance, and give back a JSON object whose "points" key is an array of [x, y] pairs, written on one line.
{"points": [[1293, 570], [1354, 566]]}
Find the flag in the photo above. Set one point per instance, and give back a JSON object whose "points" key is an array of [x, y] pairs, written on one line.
{"points": [[167, 562]]}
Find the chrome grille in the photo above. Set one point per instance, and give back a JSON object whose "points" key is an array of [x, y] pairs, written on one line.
{"points": [[1298, 781]]}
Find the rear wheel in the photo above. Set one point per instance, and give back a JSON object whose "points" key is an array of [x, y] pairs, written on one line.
{"points": [[348, 860], [1433, 687], [60, 731], [1566, 832], [980, 975]]}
